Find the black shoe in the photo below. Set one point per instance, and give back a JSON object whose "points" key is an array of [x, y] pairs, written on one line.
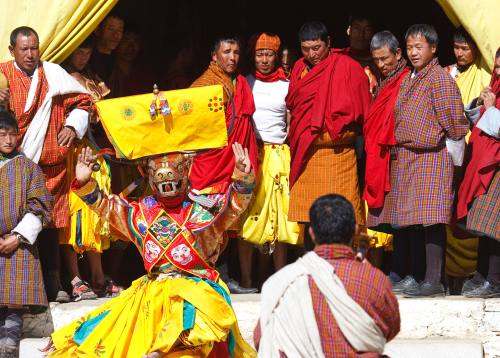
{"points": [[394, 278], [486, 290], [235, 288], [472, 284], [426, 289], [405, 284]]}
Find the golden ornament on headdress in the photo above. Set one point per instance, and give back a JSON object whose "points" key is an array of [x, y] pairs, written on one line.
{"points": [[159, 108]]}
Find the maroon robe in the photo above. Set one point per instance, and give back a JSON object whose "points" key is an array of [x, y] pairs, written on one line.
{"points": [[331, 96]]}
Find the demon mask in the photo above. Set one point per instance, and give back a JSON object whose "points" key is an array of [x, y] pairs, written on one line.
{"points": [[168, 174]]}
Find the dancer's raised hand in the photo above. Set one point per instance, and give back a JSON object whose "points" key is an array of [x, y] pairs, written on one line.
{"points": [[84, 165], [242, 158]]}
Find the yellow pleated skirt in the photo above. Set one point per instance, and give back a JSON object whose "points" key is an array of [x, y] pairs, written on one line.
{"points": [[87, 231], [267, 216], [181, 317]]}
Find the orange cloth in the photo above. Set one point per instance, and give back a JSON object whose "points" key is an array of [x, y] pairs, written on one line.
{"points": [[268, 41], [331, 167], [214, 75]]}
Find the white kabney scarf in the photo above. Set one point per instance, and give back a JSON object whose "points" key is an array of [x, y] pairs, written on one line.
{"points": [[287, 320], [60, 83]]}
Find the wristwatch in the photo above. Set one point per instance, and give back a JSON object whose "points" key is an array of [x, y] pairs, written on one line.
{"points": [[19, 237], [72, 128]]}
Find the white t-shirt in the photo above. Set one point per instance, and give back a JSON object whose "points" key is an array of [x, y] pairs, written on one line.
{"points": [[270, 109]]}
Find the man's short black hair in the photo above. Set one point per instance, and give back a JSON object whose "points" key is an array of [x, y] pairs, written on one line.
{"points": [[425, 30], [313, 30], [360, 17], [384, 39], [462, 36], [230, 39], [8, 121], [332, 220], [497, 55], [111, 15], [22, 30]]}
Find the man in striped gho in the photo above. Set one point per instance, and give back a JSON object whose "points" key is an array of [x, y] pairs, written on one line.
{"points": [[25, 206]]}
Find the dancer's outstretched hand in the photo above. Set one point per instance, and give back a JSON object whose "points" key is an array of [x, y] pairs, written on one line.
{"points": [[84, 165], [242, 158]]}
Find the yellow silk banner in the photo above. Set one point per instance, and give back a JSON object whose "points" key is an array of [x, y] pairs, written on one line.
{"points": [[61, 25], [197, 121]]}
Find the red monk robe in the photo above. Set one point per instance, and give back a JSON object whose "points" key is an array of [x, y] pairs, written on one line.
{"points": [[53, 158], [484, 161], [364, 58], [331, 96], [214, 168], [378, 131]]}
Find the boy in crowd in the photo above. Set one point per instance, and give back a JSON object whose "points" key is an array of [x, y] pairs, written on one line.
{"points": [[26, 207]]}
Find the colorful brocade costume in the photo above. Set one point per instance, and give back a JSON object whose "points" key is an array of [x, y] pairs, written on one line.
{"points": [[180, 307]]}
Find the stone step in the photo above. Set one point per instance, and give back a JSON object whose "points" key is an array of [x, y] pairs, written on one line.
{"points": [[429, 322], [428, 348], [399, 348], [30, 347]]}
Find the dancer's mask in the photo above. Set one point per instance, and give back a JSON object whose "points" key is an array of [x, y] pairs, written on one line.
{"points": [[168, 174]]}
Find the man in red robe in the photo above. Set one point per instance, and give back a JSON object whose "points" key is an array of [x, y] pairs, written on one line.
{"points": [[478, 197], [211, 171], [52, 110], [378, 131], [347, 308], [328, 98], [378, 128]]}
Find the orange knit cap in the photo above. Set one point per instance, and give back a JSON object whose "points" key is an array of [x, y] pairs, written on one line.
{"points": [[268, 41]]}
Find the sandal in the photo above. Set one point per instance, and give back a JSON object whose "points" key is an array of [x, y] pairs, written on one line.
{"points": [[112, 290], [82, 291]]}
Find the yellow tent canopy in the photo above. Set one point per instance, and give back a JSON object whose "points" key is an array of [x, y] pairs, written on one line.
{"points": [[61, 25]]}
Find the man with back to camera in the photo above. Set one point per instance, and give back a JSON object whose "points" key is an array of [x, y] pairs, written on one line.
{"points": [[339, 297]]}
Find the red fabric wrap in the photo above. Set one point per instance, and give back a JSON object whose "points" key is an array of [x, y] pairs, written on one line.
{"points": [[332, 95], [278, 75], [495, 88], [484, 159], [378, 131], [215, 167]]}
